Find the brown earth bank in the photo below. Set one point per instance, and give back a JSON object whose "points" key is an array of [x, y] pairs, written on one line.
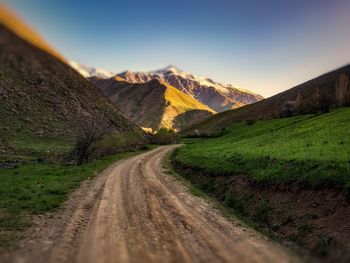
{"points": [[315, 221], [134, 212]]}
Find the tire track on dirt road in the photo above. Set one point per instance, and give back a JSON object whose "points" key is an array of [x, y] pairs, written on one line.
{"points": [[147, 216]]}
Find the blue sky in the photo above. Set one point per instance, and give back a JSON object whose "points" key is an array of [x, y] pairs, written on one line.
{"points": [[263, 45]]}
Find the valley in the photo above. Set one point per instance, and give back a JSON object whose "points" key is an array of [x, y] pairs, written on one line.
{"points": [[164, 165]]}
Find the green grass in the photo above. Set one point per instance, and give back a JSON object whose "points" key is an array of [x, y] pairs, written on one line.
{"points": [[24, 146], [312, 149], [37, 188]]}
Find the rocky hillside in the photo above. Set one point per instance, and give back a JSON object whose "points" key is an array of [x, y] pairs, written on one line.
{"points": [[154, 104], [217, 96], [321, 90], [43, 97]]}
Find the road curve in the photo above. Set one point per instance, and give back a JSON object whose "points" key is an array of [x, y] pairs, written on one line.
{"points": [[147, 216]]}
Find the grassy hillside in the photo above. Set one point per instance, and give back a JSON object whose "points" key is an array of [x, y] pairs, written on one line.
{"points": [[271, 107], [154, 104], [313, 149]]}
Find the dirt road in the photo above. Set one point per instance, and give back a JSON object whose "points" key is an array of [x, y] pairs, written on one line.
{"points": [[144, 215]]}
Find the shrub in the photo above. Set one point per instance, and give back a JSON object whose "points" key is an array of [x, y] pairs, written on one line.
{"points": [[343, 91], [213, 134], [116, 142], [110, 144], [164, 136]]}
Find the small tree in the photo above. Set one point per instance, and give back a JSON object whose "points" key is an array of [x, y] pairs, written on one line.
{"points": [[343, 90], [87, 135]]}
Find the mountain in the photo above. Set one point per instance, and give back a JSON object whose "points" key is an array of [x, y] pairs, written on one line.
{"points": [[215, 95], [43, 97], [323, 87], [154, 104], [87, 71]]}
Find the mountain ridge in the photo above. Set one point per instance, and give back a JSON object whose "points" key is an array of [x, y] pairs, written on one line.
{"points": [[215, 95], [154, 104], [219, 97]]}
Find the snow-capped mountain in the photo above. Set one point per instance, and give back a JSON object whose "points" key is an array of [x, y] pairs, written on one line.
{"points": [[217, 96], [88, 72]]}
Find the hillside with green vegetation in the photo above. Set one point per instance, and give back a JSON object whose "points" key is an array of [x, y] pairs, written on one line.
{"points": [[313, 149], [316, 95]]}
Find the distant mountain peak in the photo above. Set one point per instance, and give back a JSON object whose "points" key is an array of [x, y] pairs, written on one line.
{"points": [[172, 68], [168, 69], [87, 71], [217, 96]]}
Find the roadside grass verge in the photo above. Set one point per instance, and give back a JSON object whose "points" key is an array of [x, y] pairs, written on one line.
{"points": [[35, 188]]}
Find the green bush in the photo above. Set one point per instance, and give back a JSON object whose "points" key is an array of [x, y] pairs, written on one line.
{"points": [[116, 142], [164, 136], [93, 143]]}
